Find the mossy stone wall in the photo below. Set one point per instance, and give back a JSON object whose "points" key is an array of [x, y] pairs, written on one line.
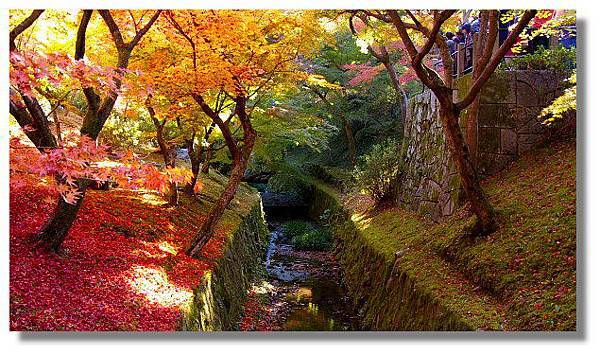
{"points": [[218, 300], [508, 126], [385, 295], [429, 183]]}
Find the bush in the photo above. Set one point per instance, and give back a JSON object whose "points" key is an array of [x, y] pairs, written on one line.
{"points": [[378, 169], [292, 229], [318, 239], [558, 59]]}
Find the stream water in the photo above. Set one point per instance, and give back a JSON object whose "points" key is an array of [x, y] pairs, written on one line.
{"points": [[301, 290]]}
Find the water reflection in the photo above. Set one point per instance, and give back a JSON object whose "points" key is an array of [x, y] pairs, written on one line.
{"points": [[308, 285]]}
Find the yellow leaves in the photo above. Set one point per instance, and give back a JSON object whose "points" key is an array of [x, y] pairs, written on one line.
{"points": [[319, 80], [562, 104], [179, 175]]}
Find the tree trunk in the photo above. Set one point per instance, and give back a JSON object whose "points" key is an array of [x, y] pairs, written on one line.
{"points": [[56, 228], [208, 157], [486, 222], [241, 157], [169, 156], [237, 173], [167, 152], [400, 92], [195, 161], [217, 210], [471, 130], [350, 140]]}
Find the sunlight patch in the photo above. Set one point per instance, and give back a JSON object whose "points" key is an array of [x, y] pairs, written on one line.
{"points": [[155, 286]]}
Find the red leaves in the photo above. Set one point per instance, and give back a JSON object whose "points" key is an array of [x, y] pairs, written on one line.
{"points": [[32, 69], [80, 157], [123, 266], [365, 73]]}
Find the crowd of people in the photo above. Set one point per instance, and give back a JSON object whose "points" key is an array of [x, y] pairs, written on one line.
{"points": [[466, 31], [464, 34]]}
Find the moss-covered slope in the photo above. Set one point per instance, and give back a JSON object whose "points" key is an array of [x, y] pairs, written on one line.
{"points": [[219, 298], [405, 273]]}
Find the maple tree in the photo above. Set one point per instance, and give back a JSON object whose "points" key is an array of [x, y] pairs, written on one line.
{"points": [[381, 51], [29, 113], [227, 76], [424, 27], [105, 104]]}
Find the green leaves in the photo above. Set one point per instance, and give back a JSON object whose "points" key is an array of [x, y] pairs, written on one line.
{"points": [[378, 169]]}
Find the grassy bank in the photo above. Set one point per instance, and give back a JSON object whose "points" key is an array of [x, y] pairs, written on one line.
{"points": [[406, 273]]}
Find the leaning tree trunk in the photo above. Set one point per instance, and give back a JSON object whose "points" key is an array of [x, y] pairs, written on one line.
{"points": [[213, 217], [56, 229], [240, 162], [486, 222]]}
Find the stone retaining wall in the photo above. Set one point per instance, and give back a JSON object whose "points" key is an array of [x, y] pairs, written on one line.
{"points": [[219, 299], [507, 127], [383, 293]]}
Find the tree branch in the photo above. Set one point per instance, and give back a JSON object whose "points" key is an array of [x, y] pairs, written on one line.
{"points": [[431, 38], [115, 32], [229, 138], [143, 31], [401, 28], [20, 28], [80, 41], [496, 58]]}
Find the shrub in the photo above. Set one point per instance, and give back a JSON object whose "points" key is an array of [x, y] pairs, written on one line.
{"points": [[317, 239], [378, 169], [559, 59], [292, 229]]}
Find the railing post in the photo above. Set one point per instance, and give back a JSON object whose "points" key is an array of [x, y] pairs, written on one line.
{"points": [[460, 59]]}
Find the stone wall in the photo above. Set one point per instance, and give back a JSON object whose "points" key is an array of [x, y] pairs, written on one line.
{"points": [[387, 295], [508, 123], [429, 184], [220, 296], [507, 127]]}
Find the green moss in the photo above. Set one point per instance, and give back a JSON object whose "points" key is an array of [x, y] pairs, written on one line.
{"points": [[405, 273], [219, 298]]}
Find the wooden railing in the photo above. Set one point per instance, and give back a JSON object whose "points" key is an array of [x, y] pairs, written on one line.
{"points": [[462, 58]]}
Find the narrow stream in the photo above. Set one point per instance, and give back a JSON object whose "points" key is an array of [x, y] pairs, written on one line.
{"points": [[301, 290]]}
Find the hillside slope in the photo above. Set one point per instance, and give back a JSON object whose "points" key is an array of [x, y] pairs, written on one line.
{"points": [[522, 277]]}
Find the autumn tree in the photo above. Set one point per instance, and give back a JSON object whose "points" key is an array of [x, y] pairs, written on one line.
{"points": [[228, 59], [24, 106], [424, 28], [381, 52]]}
